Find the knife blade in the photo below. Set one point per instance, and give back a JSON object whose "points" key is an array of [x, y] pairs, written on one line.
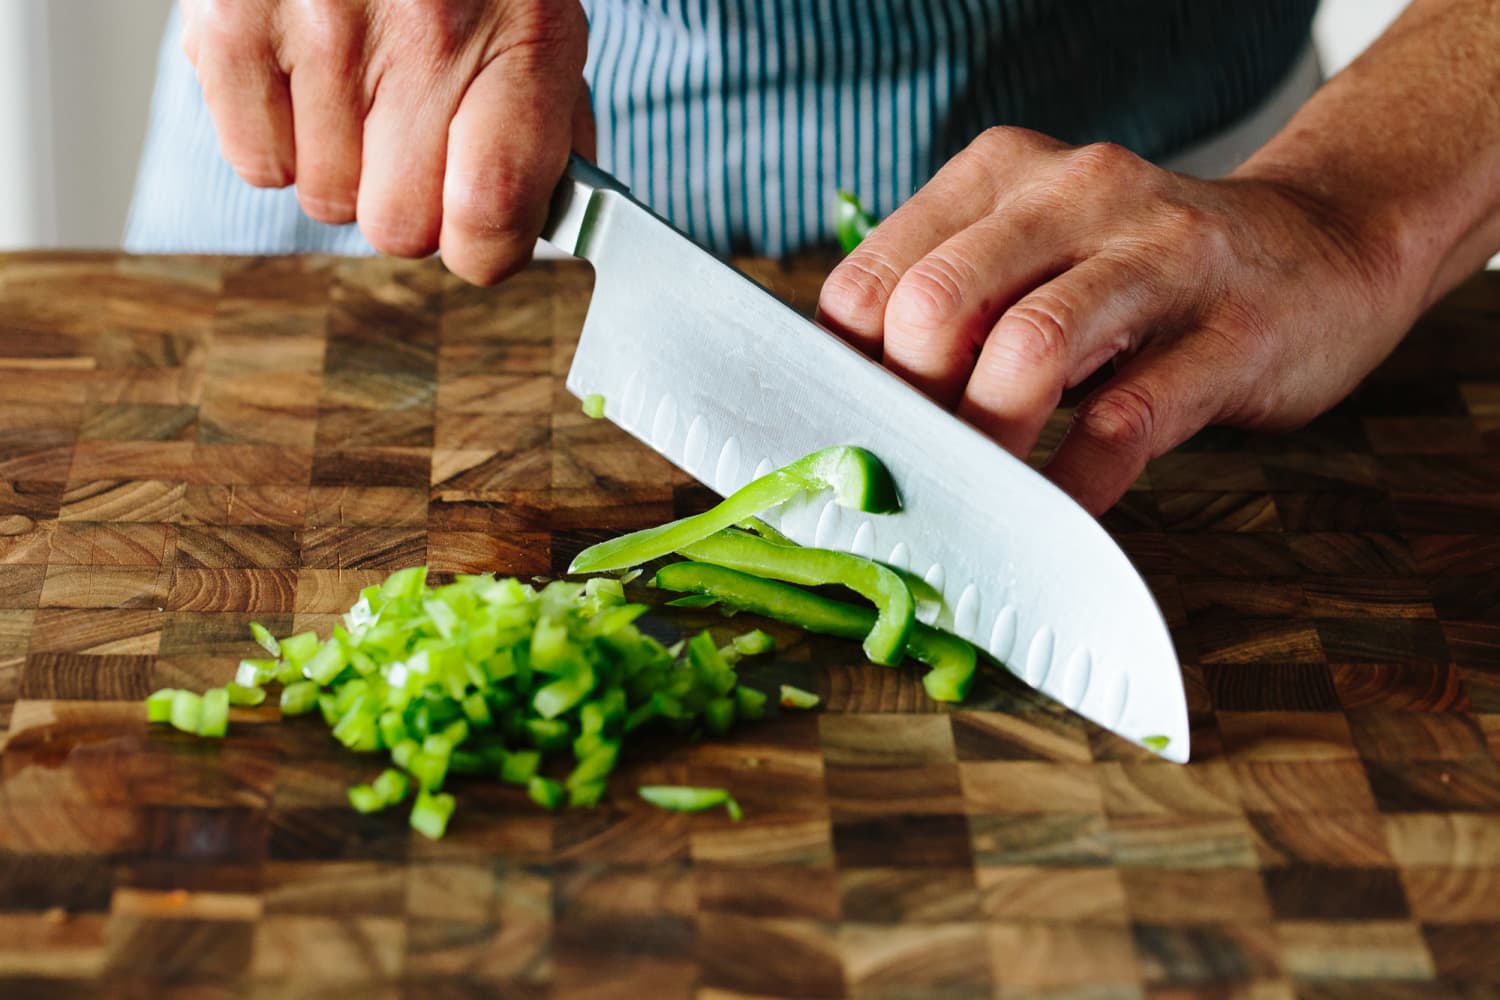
{"points": [[705, 366]]}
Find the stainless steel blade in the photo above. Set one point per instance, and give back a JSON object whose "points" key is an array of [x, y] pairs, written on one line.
{"points": [[705, 366]]}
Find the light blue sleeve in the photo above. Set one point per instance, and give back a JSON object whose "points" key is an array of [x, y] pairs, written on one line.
{"points": [[189, 200]]}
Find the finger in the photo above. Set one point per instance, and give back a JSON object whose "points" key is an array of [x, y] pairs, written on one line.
{"points": [[328, 110], [1054, 338], [1157, 401], [853, 300], [246, 94], [508, 145], [405, 142], [945, 305]]}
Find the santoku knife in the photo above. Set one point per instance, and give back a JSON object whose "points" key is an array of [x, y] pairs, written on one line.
{"points": [[728, 382]]}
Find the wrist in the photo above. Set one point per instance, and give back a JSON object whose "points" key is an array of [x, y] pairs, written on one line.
{"points": [[1384, 241]]}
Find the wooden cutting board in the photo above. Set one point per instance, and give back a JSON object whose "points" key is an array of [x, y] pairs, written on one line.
{"points": [[188, 444]]}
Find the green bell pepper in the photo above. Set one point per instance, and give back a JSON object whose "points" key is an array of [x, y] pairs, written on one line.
{"points": [[857, 478]]}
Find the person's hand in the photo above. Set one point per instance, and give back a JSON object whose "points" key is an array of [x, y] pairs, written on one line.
{"points": [[1025, 265], [436, 124]]}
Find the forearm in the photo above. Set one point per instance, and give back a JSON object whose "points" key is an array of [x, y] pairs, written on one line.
{"points": [[1402, 149]]}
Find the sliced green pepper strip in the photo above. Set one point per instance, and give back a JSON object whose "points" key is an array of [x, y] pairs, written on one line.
{"points": [[953, 659], [851, 223], [764, 530], [924, 592], [857, 478], [882, 586]]}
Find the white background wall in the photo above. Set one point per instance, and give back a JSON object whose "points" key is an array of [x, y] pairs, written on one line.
{"points": [[75, 82]]}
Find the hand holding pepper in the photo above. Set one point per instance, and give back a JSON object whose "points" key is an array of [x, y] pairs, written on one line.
{"points": [[436, 125], [1257, 301], [1025, 265]]}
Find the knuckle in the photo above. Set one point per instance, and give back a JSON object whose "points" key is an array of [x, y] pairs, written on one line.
{"points": [[329, 28], [1201, 234], [233, 31], [1122, 418], [998, 138], [1036, 329], [491, 206], [221, 19], [437, 29], [929, 296], [554, 35], [1101, 162], [857, 291]]}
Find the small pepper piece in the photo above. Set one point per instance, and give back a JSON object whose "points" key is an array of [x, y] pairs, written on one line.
{"points": [[187, 711], [265, 639], [851, 222], [794, 697], [213, 719], [593, 405], [298, 649], [756, 642], [159, 705], [685, 798], [243, 695], [365, 799], [749, 703], [858, 479], [545, 792], [518, 767], [392, 786], [299, 698], [430, 814]]}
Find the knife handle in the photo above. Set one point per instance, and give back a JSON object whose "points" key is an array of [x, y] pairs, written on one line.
{"points": [[568, 219]]}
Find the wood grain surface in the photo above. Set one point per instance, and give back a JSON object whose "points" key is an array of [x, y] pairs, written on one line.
{"points": [[188, 444]]}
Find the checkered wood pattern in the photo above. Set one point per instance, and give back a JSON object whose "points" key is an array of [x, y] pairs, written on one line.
{"points": [[187, 444]]}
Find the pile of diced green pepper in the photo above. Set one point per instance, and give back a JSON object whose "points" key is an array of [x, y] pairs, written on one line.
{"points": [[487, 676], [538, 687]]}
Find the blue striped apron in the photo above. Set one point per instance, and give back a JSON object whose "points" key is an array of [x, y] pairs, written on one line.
{"points": [[738, 119]]}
